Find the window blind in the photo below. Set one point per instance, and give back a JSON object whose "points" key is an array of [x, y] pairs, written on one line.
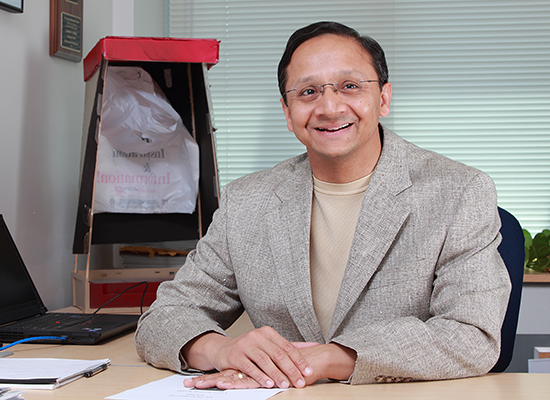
{"points": [[471, 80]]}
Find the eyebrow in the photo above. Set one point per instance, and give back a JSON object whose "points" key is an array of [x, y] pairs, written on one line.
{"points": [[310, 78]]}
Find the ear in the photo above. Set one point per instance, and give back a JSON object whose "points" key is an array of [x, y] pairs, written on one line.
{"points": [[385, 100], [287, 115]]}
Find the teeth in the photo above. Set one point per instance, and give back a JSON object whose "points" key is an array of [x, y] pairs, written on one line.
{"points": [[334, 130]]}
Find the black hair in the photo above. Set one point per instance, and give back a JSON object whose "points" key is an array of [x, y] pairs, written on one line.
{"points": [[302, 35]]}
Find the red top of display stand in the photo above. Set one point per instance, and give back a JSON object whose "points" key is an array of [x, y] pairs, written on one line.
{"points": [[151, 49]]}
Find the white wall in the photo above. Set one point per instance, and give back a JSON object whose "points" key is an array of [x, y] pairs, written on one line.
{"points": [[41, 112], [41, 109], [149, 18]]}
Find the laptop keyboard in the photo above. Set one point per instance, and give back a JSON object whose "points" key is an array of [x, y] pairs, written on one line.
{"points": [[52, 321]]}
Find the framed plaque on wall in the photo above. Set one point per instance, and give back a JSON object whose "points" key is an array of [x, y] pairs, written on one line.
{"points": [[14, 6], [66, 29]]}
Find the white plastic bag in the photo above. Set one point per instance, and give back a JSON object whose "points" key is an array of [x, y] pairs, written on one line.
{"points": [[147, 160]]}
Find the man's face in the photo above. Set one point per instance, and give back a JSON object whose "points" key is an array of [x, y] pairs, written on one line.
{"points": [[335, 125]]}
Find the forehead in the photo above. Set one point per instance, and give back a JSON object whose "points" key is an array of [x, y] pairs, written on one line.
{"points": [[329, 57]]}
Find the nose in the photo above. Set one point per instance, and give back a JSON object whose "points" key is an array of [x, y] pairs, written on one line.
{"points": [[330, 103], [334, 88]]}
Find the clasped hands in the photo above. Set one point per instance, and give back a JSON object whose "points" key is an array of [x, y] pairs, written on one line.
{"points": [[262, 358]]}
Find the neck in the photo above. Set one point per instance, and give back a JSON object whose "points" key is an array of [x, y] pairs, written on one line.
{"points": [[336, 173], [345, 169]]}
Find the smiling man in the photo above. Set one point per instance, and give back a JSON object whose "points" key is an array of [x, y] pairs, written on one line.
{"points": [[365, 260], [334, 106]]}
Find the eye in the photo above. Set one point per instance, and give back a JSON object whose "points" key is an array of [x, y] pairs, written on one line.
{"points": [[350, 87], [308, 92]]}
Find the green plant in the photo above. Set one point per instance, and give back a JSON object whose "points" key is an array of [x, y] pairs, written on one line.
{"points": [[537, 251]]}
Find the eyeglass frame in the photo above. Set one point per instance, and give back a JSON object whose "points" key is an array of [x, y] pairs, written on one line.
{"points": [[334, 87]]}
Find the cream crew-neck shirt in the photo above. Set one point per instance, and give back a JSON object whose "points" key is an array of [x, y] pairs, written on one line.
{"points": [[334, 213]]}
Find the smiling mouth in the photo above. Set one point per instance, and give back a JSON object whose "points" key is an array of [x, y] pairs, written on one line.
{"points": [[335, 129]]}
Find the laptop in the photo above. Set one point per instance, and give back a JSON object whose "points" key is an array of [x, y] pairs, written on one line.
{"points": [[24, 315]]}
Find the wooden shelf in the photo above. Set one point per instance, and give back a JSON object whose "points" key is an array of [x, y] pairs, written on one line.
{"points": [[541, 277]]}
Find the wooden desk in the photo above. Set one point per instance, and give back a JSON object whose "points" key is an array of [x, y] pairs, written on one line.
{"points": [[128, 371]]}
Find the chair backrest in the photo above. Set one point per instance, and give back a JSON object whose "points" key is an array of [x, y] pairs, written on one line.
{"points": [[512, 251]]}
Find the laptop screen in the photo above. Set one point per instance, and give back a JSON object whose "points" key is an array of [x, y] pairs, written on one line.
{"points": [[18, 295]]}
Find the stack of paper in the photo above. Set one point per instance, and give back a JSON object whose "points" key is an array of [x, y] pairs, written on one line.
{"points": [[542, 352], [7, 394], [541, 362], [539, 366], [46, 373]]}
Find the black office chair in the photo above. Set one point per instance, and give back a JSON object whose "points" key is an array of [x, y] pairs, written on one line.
{"points": [[512, 251]]}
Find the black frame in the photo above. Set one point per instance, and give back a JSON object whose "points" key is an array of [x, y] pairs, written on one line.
{"points": [[18, 8]]}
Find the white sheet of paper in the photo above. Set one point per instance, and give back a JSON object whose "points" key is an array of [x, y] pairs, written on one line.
{"points": [[539, 365], [172, 388]]}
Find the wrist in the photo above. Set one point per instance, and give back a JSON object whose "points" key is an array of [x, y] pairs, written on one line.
{"points": [[199, 352], [341, 362]]}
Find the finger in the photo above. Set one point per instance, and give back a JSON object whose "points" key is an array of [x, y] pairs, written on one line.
{"points": [[247, 354], [237, 381], [292, 350], [266, 357], [229, 379], [304, 345], [283, 363], [289, 361], [229, 376], [262, 368], [204, 381], [188, 382], [293, 359]]}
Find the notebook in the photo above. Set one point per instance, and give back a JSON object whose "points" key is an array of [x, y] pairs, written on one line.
{"points": [[24, 315]]}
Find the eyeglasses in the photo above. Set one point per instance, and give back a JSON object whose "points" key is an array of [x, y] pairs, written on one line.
{"points": [[311, 93]]}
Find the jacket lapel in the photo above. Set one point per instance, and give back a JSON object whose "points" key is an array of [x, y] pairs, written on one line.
{"points": [[290, 235], [380, 220]]}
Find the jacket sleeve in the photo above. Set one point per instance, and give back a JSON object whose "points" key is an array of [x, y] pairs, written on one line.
{"points": [[201, 298], [469, 298]]}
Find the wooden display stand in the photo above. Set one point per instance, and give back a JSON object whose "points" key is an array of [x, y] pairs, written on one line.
{"points": [[186, 62]]}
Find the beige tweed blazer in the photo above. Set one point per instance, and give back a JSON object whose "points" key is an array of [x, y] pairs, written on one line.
{"points": [[424, 292]]}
